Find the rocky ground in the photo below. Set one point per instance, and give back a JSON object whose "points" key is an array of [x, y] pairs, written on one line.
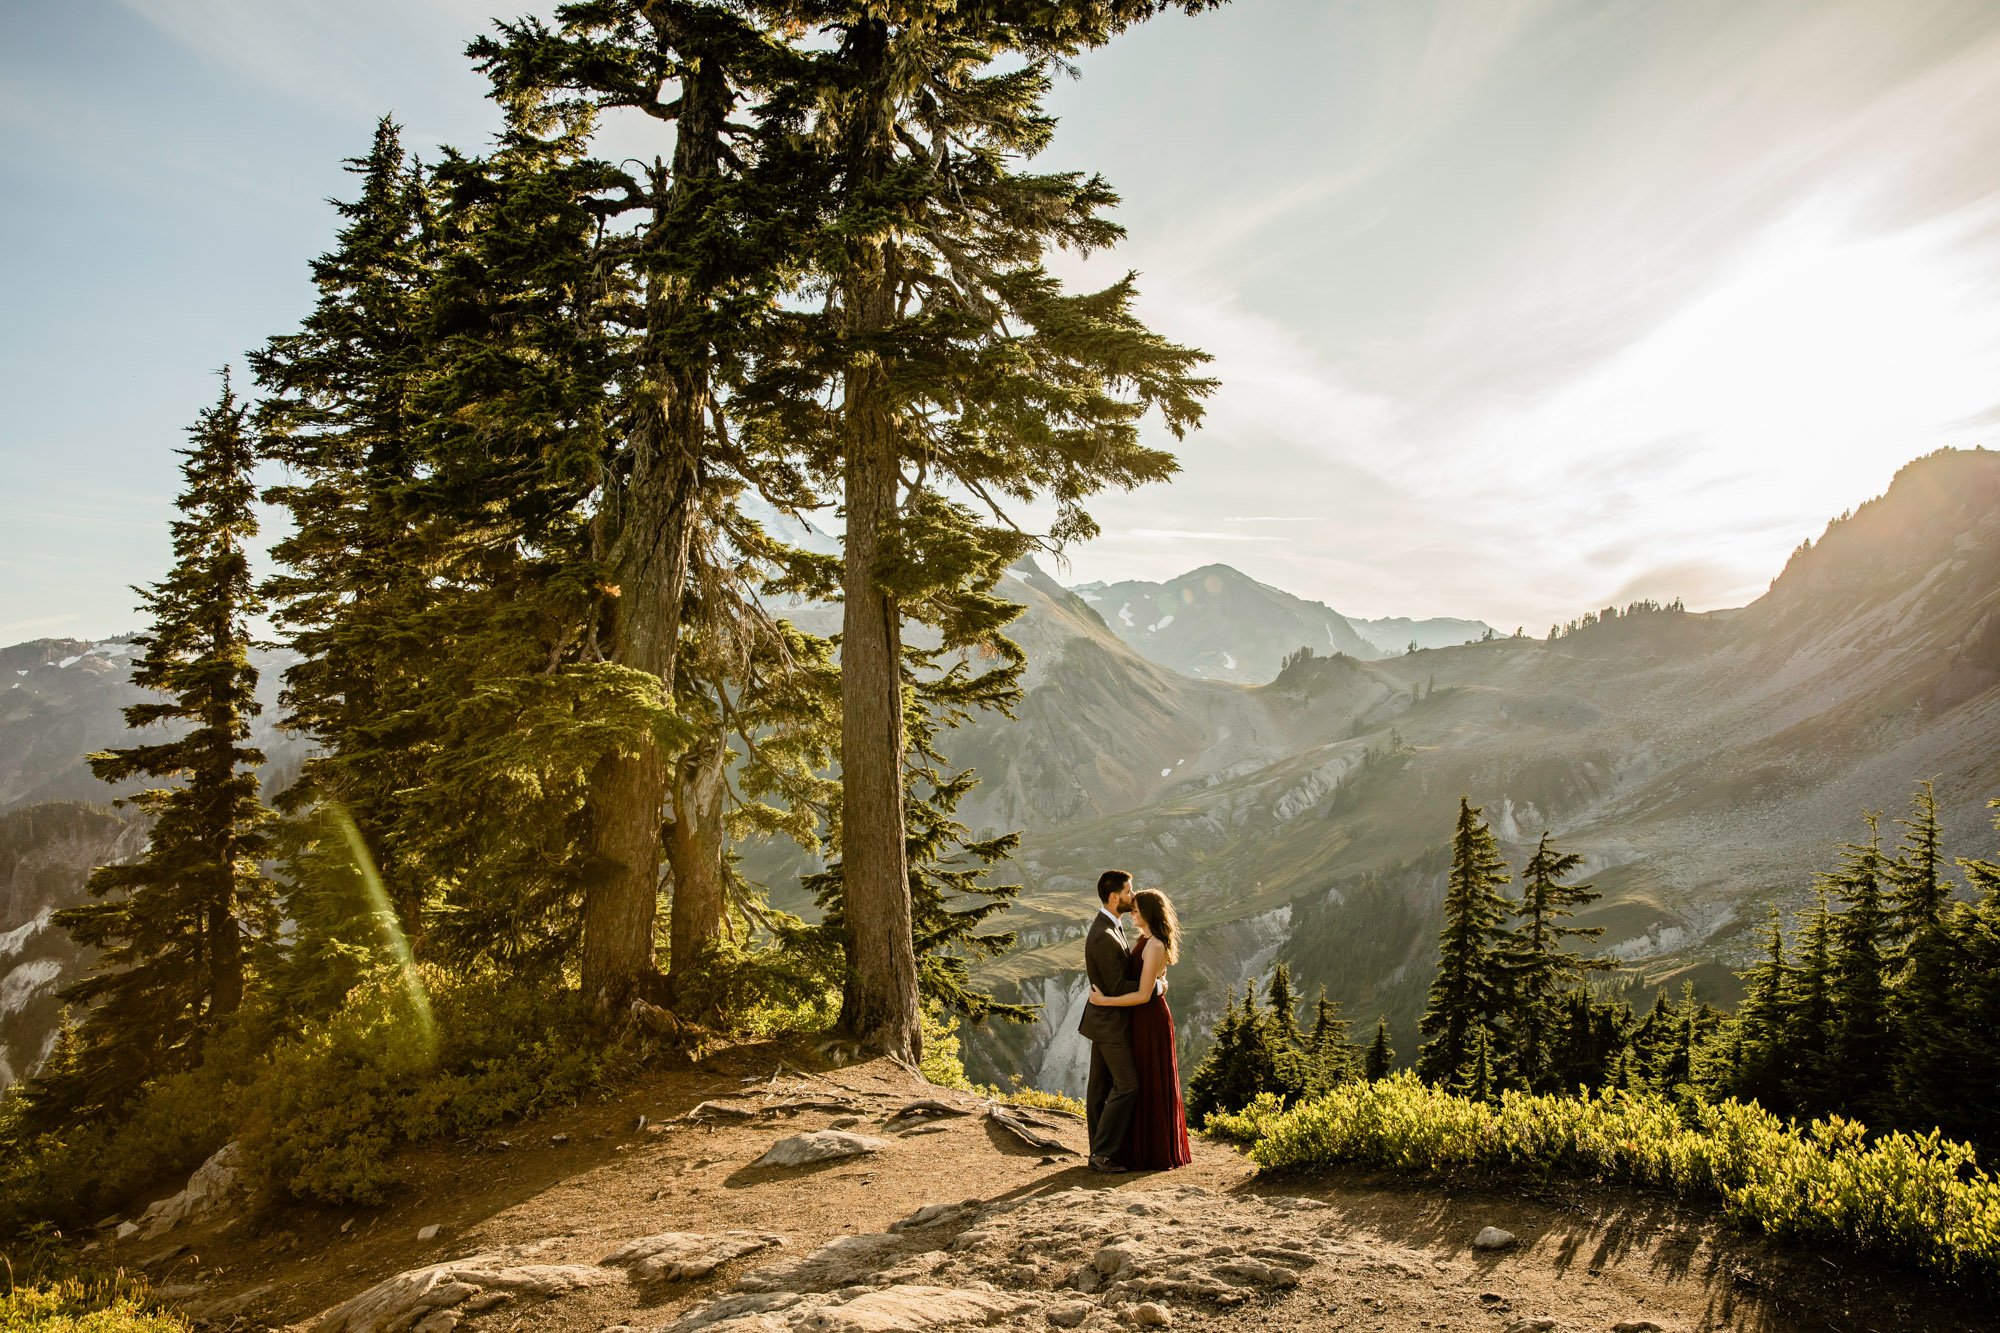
{"points": [[748, 1196]]}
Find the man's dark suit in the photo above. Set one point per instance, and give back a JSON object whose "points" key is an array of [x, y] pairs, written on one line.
{"points": [[1114, 1079]]}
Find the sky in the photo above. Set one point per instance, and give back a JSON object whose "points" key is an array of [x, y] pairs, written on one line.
{"points": [[1519, 307]]}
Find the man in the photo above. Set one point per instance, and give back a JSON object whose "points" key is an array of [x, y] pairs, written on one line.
{"points": [[1114, 1078]]}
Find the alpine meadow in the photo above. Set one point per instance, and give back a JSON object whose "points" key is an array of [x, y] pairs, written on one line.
{"points": [[770, 555]]}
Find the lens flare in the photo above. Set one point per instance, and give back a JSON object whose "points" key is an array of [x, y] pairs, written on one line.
{"points": [[384, 913]]}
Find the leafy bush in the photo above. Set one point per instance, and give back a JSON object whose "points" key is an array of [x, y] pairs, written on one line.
{"points": [[321, 1110], [330, 1105], [77, 1306], [1918, 1199]]}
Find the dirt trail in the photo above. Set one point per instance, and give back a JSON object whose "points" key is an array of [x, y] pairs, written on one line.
{"points": [[1358, 1252]]}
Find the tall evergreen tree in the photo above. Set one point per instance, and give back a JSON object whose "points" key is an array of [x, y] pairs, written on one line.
{"points": [[1381, 1056], [1759, 1059], [1811, 1026], [1860, 1060], [341, 417], [717, 239], [176, 929], [1331, 1058], [1471, 989], [957, 363], [1542, 968], [1918, 890]]}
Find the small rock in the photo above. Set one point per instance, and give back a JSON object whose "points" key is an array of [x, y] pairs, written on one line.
{"points": [[1149, 1315], [845, 1122], [1492, 1238], [127, 1230], [558, 1139], [825, 1146], [439, 1321], [1069, 1314], [428, 1233], [1111, 1259], [1050, 1161], [1637, 1326], [1531, 1326]]}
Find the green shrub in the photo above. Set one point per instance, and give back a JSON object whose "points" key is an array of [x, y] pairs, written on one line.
{"points": [[331, 1104], [1915, 1199], [320, 1111], [76, 1306]]}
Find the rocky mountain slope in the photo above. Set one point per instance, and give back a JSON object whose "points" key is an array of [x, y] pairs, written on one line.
{"points": [[739, 1198], [1703, 764], [1215, 623]]}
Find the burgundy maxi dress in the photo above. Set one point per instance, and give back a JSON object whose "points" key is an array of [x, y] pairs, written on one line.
{"points": [[1158, 1140]]}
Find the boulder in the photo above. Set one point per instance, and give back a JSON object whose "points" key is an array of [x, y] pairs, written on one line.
{"points": [[732, 1308], [825, 1145], [678, 1256], [207, 1193], [914, 1310], [838, 1263], [1492, 1238], [410, 1297]]}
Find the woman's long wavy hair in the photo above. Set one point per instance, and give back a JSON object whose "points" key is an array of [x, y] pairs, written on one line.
{"points": [[1158, 911]]}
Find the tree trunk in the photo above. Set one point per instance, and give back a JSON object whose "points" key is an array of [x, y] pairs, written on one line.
{"points": [[225, 952], [694, 850], [628, 793], [880, 1005]]}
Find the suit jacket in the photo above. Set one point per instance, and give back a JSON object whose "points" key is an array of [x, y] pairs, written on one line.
{"points": [[1104, 964]]}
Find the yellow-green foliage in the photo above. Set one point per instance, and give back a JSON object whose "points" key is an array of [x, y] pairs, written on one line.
{"points": [[330, 1104], [1917, 1199], [1022, 1095], [76, 1306]]}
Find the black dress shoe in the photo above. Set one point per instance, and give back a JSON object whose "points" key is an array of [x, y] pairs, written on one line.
{"points": [[1106, 1165]]}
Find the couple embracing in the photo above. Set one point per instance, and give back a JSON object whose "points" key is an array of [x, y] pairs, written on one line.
{"points": [[1136, 1120]]}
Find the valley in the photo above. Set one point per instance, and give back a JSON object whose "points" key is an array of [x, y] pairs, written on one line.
{"points": [[1703, 764]]}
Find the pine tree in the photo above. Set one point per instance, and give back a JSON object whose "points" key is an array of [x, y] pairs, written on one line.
{"points": [[341, 417], [1812, 1020], [1860, 1059], [1758, 1066], [176, 930], [707, 278], [957, 363], [1381, 1056], [1587, 1041], [1918, 888], [1331, 1057], [1239, 1065], [1470, 991], [1283, 1005], [1540, 966]]}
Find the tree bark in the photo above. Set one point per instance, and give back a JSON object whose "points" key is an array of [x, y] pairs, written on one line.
{"points": [[629, 792], [694, 851], [880, 1005]]}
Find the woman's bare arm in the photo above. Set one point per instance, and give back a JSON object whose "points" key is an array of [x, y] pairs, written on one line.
{"points": [[1155, 964]]}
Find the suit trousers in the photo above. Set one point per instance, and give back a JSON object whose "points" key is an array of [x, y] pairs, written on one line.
{"points": [[1112, 1096]]}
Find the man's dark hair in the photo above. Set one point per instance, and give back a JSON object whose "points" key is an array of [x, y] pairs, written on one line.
{"points": [[1110, 882]]}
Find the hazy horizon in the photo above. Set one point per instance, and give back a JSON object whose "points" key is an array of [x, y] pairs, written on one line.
{"points": [[1520, 309]]}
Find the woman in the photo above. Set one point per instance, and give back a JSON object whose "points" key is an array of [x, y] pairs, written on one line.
{"points": [[1158, 1140]]}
